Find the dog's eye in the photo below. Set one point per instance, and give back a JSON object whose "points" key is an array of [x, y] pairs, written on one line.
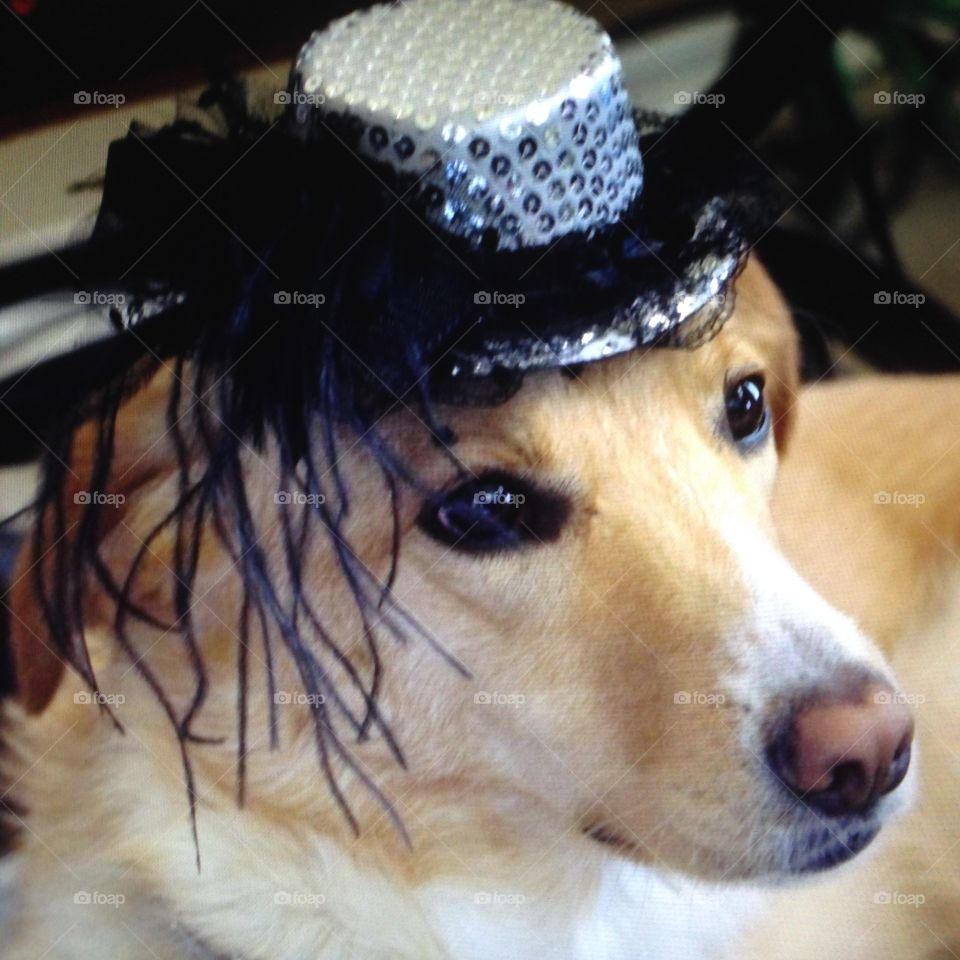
{"points": [[746, 412], [494, 511]]}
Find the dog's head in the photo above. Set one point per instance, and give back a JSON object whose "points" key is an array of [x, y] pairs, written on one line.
{"points": [[643, 669], [646, 663]]}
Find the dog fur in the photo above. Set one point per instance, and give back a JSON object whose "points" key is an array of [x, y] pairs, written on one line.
{"points": [[667, 579]]}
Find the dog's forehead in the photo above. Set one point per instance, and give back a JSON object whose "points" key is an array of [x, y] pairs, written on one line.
{"points": [[562, 410], [556, 408]]}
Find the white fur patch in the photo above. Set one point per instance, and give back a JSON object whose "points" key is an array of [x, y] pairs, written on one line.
{"points": [[628, 911], [794, 640]]}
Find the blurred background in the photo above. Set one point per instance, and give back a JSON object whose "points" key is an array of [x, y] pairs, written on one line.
{"points": [[854, 107]]}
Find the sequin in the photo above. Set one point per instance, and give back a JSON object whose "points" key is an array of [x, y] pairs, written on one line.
{"points": [[542, 170], [456, 172], [453, 133], [494, 205], [477, 188]]}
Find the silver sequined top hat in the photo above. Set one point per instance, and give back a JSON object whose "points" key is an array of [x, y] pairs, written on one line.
{"points": [[511, 114], [505, 125]]}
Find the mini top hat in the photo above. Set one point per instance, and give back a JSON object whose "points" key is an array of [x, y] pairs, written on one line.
{"points": [[510, 117], [457, 192], [508, 124]]}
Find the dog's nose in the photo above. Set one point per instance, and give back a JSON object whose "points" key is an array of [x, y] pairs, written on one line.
{"points": [[842, 755]]}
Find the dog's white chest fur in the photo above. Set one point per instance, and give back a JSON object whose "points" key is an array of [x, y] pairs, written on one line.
{"points": [[626, 912], [632, 912]]}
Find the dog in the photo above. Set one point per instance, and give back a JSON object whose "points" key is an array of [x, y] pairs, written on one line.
{"points": [[633, 724]]}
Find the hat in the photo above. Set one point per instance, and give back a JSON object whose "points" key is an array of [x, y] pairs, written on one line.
{"points": [[507, 124], [505, 116], [457, 191]]}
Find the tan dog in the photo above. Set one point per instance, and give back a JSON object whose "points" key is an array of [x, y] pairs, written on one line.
{"points": [[651, 685]]}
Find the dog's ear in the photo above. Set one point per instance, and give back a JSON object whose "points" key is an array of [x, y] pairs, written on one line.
{"points": [[768, 325], [38, 665]]}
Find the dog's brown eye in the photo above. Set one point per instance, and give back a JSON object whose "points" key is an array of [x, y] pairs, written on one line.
{"points": [[746, 411], [494, 511]]}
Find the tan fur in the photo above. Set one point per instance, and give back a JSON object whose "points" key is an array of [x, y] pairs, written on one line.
{"points": [[642, 597], [895, 568]]}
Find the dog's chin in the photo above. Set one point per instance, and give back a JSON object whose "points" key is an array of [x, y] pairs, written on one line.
{"points": [[795, 842], [831, 849], [823, 844], [808, 851]]}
